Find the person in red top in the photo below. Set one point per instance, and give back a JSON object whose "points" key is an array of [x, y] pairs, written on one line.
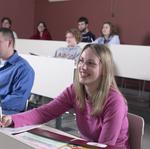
{"points": [[41, 32]]}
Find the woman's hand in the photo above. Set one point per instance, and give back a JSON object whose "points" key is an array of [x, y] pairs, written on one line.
{"points": [[6, 121]]}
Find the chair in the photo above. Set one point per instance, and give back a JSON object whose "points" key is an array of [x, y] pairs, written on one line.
{"points": [[136, 130]]}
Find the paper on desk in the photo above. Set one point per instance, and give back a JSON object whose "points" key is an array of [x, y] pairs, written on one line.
{"points": [[19, 129], [97, 144], [39, 142]]}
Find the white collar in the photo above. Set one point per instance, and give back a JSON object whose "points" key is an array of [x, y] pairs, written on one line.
{"points": [[2, 62]]}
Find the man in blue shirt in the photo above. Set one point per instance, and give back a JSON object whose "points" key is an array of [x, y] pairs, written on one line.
{"points": [[16, 75]]}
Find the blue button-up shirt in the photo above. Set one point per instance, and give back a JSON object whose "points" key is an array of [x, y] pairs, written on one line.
{"points": [[16, 80]]}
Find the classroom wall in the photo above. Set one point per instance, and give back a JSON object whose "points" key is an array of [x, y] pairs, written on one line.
{"points": [[61, 16], [22, 14], [129, 16]]}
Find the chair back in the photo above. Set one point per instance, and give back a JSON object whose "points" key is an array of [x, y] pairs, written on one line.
{"points": [[136, 130]]}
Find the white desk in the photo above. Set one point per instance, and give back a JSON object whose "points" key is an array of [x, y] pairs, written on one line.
{"points": [[40, 47], [8, 141], [52, 75], [131, 60]]}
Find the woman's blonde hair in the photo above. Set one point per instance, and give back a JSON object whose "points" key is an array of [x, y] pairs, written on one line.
{"points": [[107, 80]]}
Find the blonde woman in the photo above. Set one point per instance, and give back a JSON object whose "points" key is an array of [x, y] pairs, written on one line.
{"points": [[101, 110]]}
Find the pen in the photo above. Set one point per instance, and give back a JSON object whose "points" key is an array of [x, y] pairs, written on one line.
{"points": [[1, 109]]}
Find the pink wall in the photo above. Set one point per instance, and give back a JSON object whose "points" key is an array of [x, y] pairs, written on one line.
{"points": [[61, 16], [22, 14], [131, 16]]}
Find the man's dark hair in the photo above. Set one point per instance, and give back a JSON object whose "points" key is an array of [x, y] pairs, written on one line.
{"points": [[83, 19], [8, 33], [6, 18]]}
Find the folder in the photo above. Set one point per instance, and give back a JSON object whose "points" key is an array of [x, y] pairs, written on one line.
{"points": [[71, 142]]}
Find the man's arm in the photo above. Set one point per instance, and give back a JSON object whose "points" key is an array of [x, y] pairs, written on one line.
{"points": [[20, 91]]}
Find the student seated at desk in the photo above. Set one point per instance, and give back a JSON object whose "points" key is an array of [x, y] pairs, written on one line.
{"points": [[42, 32], [87, 35], [108, 35], [101, 110], [7, 23], [16, 75], [73, 50]]}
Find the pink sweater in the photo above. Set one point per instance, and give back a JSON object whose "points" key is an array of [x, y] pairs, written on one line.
{"points": [[110, 127]]}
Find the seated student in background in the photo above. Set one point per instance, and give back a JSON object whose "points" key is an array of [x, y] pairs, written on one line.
{"points": [[108, 35], [87, 36], [101, 109], [7, 23], [41, 32], [72, 51], [16, 75]]}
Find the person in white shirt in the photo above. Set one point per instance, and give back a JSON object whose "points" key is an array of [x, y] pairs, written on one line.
{"points": [[7, 23], [109, 35], [72, 51]]}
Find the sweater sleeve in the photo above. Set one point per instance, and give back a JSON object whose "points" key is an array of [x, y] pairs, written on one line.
{"points": [[46, 112], [114, 113]]}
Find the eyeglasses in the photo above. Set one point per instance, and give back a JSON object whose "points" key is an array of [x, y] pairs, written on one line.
{"points": [[88, 63]]}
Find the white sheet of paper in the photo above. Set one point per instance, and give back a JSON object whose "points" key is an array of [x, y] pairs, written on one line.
{"points": [[39, 142], [97, 144], [19, 129]]}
